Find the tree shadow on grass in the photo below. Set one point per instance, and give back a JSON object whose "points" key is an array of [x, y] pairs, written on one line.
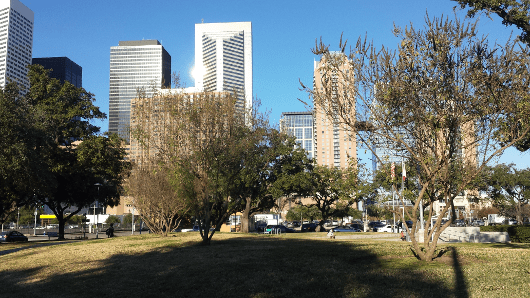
{"points": [[238, 267]]}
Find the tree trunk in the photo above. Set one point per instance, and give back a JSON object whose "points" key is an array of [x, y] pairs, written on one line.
{"points": [[245, 217], [519, 211], [62, 221]]}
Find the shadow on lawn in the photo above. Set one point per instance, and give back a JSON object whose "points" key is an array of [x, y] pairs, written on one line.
{"points": [[241, 267]]}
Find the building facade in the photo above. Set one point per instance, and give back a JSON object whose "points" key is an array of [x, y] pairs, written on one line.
{"points": [[63, 69], [223, 60], [335, 144], [299, 125], [16, 43], [134, 65]]}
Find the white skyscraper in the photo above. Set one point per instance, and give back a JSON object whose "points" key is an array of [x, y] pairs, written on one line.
{"points": [[134, 65], [223, 59], [16, 42]]}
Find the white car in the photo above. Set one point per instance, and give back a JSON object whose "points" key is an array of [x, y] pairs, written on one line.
{"points": [[386, 228]]}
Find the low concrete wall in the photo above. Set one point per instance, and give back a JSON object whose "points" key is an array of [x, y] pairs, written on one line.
{"points": [[486, 237], [473, 234]]}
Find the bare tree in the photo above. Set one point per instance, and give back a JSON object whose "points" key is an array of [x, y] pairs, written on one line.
{"points": [[156, 185], [204, 138], [441, 99], [160, 202]]}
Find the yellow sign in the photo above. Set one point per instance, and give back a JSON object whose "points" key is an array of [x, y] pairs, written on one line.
{"points": [[45, 216]]}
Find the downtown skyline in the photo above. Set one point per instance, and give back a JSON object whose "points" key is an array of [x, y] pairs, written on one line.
{"points": [[283, 35]]}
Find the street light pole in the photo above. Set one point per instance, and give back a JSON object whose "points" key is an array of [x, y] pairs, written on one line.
{"points": [[35, 225], [132, 220], [96, 217]]}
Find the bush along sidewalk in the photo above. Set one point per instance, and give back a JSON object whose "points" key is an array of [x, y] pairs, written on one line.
{"points": [[519, 234]]}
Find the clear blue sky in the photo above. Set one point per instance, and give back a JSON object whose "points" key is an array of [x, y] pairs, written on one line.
{"points": [[283, 34]]}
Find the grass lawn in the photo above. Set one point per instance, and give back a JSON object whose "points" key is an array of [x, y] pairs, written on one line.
{"points": [[239, 265]]}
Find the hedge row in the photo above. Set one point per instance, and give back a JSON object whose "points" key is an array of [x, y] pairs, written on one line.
{"points": [[517, 233]]}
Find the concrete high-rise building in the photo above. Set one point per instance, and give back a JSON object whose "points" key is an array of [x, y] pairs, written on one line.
{"points": [[223, 60], [299, 125], [335, 143], [134, 65], [16, 43], [63, 69]]}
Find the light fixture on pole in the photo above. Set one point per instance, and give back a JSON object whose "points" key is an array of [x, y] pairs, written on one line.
{"points": [[95, 218]]}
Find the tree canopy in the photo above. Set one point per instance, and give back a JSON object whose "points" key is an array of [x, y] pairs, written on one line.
{"points": [[68, 165], [445, 99], [511, 12], [509, 188]]}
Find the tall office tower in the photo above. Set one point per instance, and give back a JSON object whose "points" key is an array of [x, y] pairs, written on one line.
{"points": [[299, 125], [388, 152], [134, 65], [223, 60], [63, 69], [16, 43], [335, 143]]}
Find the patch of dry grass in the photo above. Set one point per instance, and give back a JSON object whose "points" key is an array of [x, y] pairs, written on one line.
{"points": [[238, 265]]}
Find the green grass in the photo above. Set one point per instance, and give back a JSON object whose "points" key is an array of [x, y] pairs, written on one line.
{"points": [[239, 265]]}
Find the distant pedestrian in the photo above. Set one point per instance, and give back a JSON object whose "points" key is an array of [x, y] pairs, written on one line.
{"points": [[331, 234], [403, 236], [110, 231]]}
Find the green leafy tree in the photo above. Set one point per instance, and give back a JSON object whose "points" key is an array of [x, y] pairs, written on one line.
{"points": [[512, 12], [127, 219], [273, 171], [509, 188], [84, 166], [112, 219], [301, 212], [332, 191], [25, 215], [22, 171], [458, 103]]}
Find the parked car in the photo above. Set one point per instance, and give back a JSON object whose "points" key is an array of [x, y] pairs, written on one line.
{"points": [[357, 226], [385, 228], [308, 227], [460, 223], [377, 225], [478, 223], [194, 229], [260, 227], [346, 229], [12, 236], [512, 221]]}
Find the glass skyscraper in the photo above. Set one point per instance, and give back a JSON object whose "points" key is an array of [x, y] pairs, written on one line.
{"points": [[64, 69], [16, 43], [134, 65], [299, 125], [223, 60]]}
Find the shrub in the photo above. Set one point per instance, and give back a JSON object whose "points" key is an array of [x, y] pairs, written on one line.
{"points": [[517, 233]]}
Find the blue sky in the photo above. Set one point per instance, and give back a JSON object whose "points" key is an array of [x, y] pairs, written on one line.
{"points": [[283, 34]]}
